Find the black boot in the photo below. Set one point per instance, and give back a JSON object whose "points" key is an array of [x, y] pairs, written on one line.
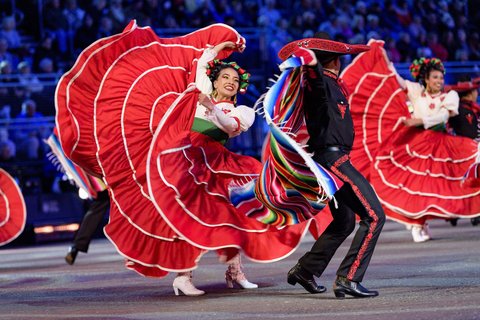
{"points": [[71, 255], [299, 275], [343, 286]]}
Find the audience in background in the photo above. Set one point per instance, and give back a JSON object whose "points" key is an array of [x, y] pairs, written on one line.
{"points": [[47, 45]]}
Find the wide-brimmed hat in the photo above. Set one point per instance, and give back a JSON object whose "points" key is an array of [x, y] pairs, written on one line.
{"points": [[324, 48], [463, 86]]}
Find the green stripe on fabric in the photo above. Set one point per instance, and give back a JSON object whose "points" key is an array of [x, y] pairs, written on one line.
{"points": [[209, 129]]}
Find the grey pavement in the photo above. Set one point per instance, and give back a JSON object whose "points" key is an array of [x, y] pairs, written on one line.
{"points": [[439, 279]]}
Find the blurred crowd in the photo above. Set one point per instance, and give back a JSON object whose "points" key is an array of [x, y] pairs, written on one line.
{"points": [[40, 39]]}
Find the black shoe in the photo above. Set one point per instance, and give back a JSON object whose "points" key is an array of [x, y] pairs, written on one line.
{"points": [[453, 222], [299, 275], [71, 255], [475, 221], [343, 286]]}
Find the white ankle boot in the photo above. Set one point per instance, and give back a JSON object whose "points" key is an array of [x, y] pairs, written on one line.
{"points": [[426, 232], [235, 275], [183, 283], [418, 234]]}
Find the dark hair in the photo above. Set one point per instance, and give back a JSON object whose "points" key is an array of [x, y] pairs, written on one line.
{"points": [[215, 66], [421, 68]]}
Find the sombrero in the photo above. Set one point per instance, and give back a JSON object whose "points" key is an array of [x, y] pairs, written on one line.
{"points": [[321, 43], [464, 86]]}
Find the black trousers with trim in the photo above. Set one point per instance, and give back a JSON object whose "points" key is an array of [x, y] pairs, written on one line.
{"points": [[356, 196], [91, 220]]}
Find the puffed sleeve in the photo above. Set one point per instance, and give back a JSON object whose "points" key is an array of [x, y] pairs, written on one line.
{"points": [[414, 90], [245, 116], [234, 122], [451, 102], [202, 81]]}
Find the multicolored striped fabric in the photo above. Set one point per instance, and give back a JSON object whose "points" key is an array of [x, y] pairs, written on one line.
{"points": [[292, 186], [91, 185]]}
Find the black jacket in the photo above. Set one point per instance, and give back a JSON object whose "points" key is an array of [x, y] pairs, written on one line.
{"points": [[327, 113], [466, 122]]}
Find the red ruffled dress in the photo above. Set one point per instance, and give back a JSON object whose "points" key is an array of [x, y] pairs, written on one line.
{"points": [[13, 213], [416, 173], [125, 112]]}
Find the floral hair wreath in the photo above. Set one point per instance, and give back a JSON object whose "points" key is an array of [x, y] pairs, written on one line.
{"points": [[214, 67], [419, 67]]}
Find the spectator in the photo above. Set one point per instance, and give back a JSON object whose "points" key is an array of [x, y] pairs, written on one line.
{"points": [[46, 65], [330, 26], [446, 19], [223, 10], [56, 23], [45, 49], [117, 15], [28, 80], [105, 29], [269, 13], [405, 47], [74, 15], [296, 26], [86, 34], [5, 55], [344, 23], [7, 147], [416, 27], [136, 11], [153, 10], [358, 24], [373, 24], [423, 50], [403, 13], [448, 40], [206, 13], [10, 93], [309, 21], [10, 33], [29, 137], [389, 17], [391, 49], [474, 45], [97, 10], [361, 9], [45, 99], [438, 50]]}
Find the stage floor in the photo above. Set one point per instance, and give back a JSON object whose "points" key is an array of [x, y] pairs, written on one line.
{"points": [[439, 279]]}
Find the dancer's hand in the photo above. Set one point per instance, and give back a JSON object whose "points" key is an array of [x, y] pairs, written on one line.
{"points": [[412, 122], [225, 45], [307, 56], [205, 100]]}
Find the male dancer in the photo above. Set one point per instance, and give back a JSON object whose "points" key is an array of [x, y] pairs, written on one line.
{"points": [[330, 127]]}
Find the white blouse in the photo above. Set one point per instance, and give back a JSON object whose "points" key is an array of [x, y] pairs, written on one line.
{"points": [[230, 119], [432, 110]]}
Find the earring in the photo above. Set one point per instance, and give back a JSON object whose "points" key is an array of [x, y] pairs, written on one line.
{"points": [[214, 93]]}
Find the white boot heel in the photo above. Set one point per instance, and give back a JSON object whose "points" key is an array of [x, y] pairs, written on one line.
{"points": [[183, 283], [235, 276], [417, 234], [175, 290], [240, 281]]}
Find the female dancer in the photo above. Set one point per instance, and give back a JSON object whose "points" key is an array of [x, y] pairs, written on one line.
{"points": [[415, 167], [218, 118], [128, 111]]}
